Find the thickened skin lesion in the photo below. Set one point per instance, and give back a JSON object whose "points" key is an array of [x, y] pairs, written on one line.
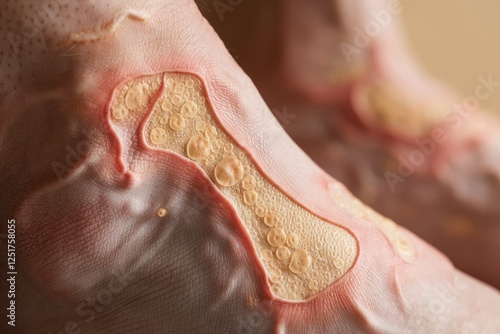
{"points": [[301, 253], [169, 211]]}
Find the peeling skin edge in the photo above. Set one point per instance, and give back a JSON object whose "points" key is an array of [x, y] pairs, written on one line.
{"points": [[107, 29]]}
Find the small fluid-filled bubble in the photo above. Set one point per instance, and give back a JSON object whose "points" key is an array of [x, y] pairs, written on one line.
{"points": [[136, 97], [276, 237], [248, 182], [189, 83], [266, 255], [211, 131], [119, 112], [179, 88], [313, 285], [250, 197], [300, 261], [166, 105], [177, 122], [292, 240], [228, 171], [200, 126], [177, 100], [283, 253], [189, 109], [164, 119], [158, 136], [270, 220], [198, 147], [260, 211], [228, 148], [338, 263], [216, 145]]}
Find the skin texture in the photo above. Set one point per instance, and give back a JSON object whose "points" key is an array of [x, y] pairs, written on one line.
{"points": [[94, 254], [402, 142]]}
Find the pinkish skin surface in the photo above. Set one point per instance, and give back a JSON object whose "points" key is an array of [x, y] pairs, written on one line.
{"points": [[451, 198], [91, 231]]}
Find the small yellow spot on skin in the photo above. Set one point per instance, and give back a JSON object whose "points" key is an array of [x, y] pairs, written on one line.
{"points": [[250, 197], [228, 171], [158, 136], [177, 100], [177, 122], [164, 119], [248, 182], [179, 88], [404, 248], [136, 96], [266, 255], [189, 83], [283, 253], [189, 109], [166, 105], [198, 147], [119, 112], [270, 220], [215, 145], [211, 131], [200, 126], [228, 148], [275, 278], [292, 241], [170, 81], [260, 211], [300, 262], [313, 285], [338, 263], [276, 237], [162, 212]]}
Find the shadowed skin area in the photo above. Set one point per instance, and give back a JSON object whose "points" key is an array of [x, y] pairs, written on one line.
{"points": [[339, 77], [107, 238]]}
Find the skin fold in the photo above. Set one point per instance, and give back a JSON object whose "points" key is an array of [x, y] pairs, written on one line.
{"points": [[341, 80], [93, 253]]}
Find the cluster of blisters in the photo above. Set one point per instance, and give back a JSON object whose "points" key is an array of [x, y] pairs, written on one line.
{"points": [[132, 99], [341, 196], [390, 107], [301, 253]]}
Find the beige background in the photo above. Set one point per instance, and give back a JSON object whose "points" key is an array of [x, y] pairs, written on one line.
{"points": [[456, 40]]}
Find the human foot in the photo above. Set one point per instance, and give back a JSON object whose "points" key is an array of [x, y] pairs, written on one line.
{"points": [[130, 218], [367, 114]]}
